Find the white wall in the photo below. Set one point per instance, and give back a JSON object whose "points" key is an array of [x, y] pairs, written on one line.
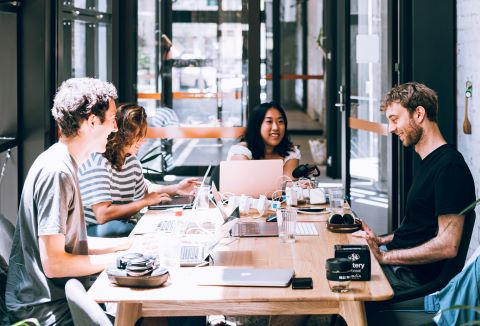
{"points": [[468, 69]]}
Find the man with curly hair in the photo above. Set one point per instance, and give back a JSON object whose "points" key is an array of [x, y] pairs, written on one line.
{"points": [[50, 243]]}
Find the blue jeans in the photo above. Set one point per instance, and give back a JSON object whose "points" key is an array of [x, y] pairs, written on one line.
{"points": [[111, 229]]}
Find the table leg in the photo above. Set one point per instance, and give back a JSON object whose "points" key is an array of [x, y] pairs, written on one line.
{"points": [[353, 312], [128, 313]]}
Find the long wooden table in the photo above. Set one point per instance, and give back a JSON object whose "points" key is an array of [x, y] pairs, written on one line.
{"points": [[181, 296]]}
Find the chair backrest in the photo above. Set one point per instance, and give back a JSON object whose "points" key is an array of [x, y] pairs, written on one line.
{"points": [[451, 267], [6, 238], [84, 310]]}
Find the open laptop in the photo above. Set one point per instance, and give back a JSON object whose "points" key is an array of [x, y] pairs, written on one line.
{"points": [[184, 201], [255, 229], [269, 229], [193, 255], [265, 277], [251, 177]]}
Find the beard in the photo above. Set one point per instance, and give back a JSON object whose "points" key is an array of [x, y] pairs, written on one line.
{"points": [[413, 135]]}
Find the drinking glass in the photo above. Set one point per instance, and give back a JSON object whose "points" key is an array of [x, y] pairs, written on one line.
{"points": [[203, 193], [336, 200], [287, 222]]}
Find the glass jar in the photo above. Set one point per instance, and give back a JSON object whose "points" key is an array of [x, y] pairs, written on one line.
{"points": [[339, 271]]}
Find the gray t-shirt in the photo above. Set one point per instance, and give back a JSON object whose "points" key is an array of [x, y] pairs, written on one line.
{"points": [[50, 204]]}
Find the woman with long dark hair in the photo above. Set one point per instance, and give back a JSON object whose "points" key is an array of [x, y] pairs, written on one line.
{"points": [[112, 184], [267, 138]]}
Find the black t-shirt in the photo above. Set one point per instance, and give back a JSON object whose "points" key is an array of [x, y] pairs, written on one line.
{"points": [[442, 185]]}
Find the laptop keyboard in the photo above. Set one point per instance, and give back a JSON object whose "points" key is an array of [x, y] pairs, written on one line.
{"points": [[181, 200], [305, 229], [166, 226], [189, 253]]}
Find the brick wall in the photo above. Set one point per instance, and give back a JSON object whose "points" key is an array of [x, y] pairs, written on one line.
{"points": [[468, 69]]}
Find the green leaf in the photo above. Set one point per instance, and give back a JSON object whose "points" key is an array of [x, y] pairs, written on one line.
{"points": [[153, 170], [27, 322], [469, 207], [150, 152], [150, 158]]}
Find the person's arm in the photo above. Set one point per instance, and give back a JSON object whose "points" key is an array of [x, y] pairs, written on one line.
{"points": [[98, 245], [443, 246], [289, 166], [184, 187], [56, 262], [378, 240], [239, 152], [107, 211]]}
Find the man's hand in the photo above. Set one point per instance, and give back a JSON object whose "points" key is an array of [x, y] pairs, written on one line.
{"points": [[379, 255], [154, 198], [373, 237], [186, 186]]}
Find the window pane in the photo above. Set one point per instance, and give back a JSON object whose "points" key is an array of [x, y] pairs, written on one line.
{"points": [[79, 53], [103, 37], [80, 4]]}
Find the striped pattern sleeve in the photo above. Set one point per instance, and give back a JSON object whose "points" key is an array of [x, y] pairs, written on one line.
{"points": [[141, 185], [95, 184]]}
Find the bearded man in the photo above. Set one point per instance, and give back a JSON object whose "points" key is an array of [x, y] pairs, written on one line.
{"points": [[442, 187]]}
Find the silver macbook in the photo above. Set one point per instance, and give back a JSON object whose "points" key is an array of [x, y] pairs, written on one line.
{"points": [[265, 277], [269, 229], [255, 229], [185, 201], [193, 255], [251, 177]]}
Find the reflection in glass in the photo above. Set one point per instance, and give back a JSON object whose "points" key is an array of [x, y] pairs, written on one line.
{"points": [[227, 5], [368, 83], [146, 55], [102, 5], [79, 64], [80, 4], [102, 51]]}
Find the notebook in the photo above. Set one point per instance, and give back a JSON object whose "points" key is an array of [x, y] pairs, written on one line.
{"points": [[185, 201], [251, 177], [266, 277]]}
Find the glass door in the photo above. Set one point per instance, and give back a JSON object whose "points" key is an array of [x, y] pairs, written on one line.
{"points": [[193, 70], [364, 76]]}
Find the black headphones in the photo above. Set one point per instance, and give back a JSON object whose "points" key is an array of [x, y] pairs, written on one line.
{"points": [[345, 219]]}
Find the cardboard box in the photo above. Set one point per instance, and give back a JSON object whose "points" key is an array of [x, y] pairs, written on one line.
{"points": [[360, 257]]}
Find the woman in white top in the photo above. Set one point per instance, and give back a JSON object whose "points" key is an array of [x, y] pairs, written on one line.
{"points": [[266, 138]]}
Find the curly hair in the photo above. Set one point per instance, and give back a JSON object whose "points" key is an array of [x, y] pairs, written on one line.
{"points": [[77, 98], [412, 95], [132, 125], [253, 137]]}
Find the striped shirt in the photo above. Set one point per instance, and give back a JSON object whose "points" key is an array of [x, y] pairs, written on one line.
{"points": [[100, 182]]}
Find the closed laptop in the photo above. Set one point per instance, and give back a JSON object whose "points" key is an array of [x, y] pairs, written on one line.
{"points": [[265, 277], [251, 177]]}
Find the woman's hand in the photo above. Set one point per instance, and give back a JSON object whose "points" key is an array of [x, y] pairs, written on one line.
{"points": [[154, 198], [187, 186]]}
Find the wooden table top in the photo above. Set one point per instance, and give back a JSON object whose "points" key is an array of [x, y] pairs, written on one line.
{"points": [[307, 256]]}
